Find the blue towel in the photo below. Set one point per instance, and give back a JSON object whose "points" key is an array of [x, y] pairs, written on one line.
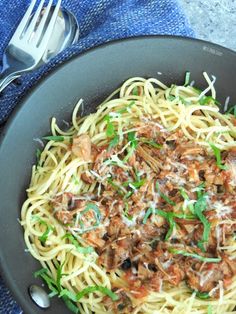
{"points": [[100, 21]]}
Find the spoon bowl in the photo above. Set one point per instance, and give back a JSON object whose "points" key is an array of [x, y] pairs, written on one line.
{"points": [[65, 34]]}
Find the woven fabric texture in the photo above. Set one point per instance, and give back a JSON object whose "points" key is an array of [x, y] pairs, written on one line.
{"points": [[100, 21]]}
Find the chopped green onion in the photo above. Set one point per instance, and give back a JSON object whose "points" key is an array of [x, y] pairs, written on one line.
{"points": [[56, 288], [132, 139], [128, 194], [199, 208], [69, 294], [202, 295], [51, 283], [135, 91], [206, 99], [40, 272], [44, 236], [148, 213], [133, 144], [96, 211], [135, 184], [80, 249], [199, 189], [217, 154], [113, 142], [184, 194], [169, 216], [183, 101], [126, 212], [171, 97], [209, 309], [110, 131], [104, 290], [59, 275], [70, 305], [151, 143], [119, 188], [56, 138], [187, 79], [123, 110], [232, 110], [49, 228], [194, 255], [76, 181], [165, 197]]}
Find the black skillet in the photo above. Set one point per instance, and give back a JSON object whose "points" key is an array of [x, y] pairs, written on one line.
{"points": [[91, 76]]}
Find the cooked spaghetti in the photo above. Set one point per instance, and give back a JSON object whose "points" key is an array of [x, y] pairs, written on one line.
{"points": [[133, 209]]}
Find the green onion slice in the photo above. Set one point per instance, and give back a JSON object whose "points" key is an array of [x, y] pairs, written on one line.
{"points": [[165, 197], [80, 249], [217, 154], [135, 91], [194, 255]]}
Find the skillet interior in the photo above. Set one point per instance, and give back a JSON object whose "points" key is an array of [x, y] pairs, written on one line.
{"points": [[91, 76]]}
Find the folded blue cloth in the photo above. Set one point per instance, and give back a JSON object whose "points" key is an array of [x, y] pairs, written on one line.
{"points": [[100, 21]]}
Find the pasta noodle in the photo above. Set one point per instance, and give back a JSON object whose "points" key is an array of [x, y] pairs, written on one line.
{"points": [[58, 184]]}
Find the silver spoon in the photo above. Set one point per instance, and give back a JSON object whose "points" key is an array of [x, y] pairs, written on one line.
{"points": [[65, 33]]}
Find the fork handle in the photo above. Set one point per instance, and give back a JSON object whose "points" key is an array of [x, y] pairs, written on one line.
{"points": [[7, 77]]}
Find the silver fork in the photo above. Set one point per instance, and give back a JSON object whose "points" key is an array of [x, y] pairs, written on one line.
{"points": [[29, 42]]}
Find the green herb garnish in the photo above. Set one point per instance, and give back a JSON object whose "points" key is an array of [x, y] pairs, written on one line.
{"points": [[135, 91], [199, 189], [199, 208], [134, 184], [80, 249], [113, 142], [171, 97], [206, 99], [209, 309], [150, 142], [104, 290], [124, 110], [133, 144], [202, 295], [119, 188], [232, 110], [96, 210], [110, 131], [148, 213], [128, 194], [165, 197], [76, 297], [49, 228], [70, 305], [56, 288], [194, 255], [126, 212], [169, 216], [217, 154]]}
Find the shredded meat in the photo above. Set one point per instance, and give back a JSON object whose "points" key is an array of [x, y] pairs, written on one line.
{"points": [[81, 147]]}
